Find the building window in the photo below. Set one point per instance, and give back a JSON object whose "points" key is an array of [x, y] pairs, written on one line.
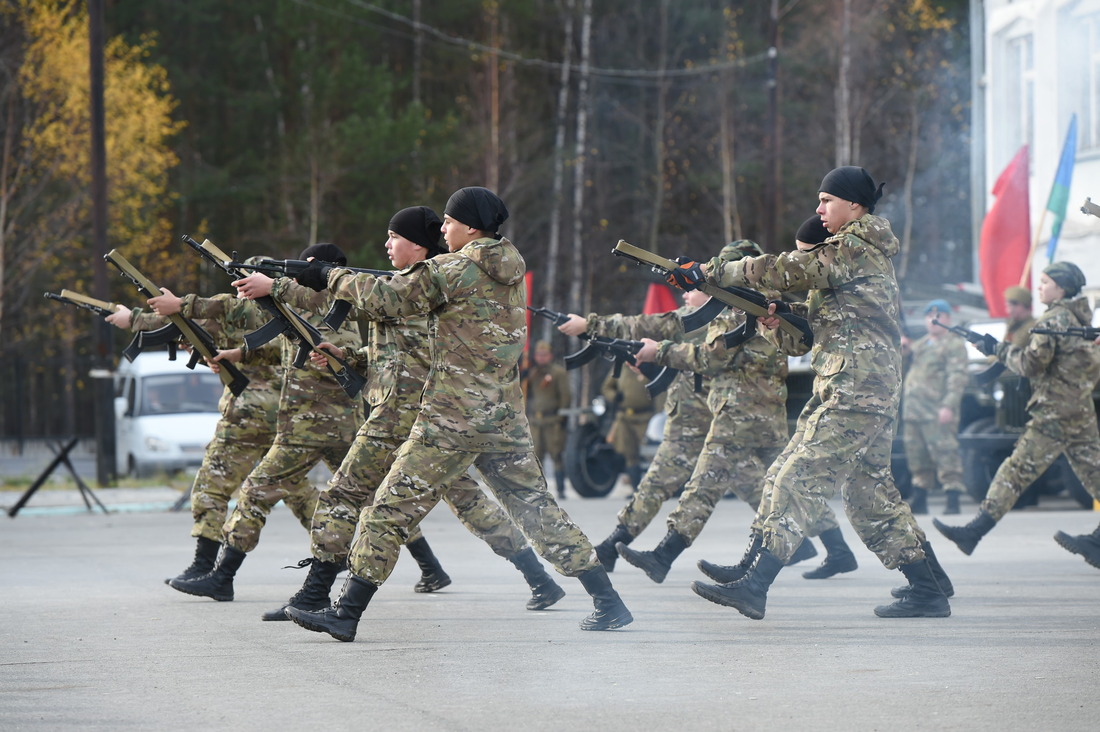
{"points": [[1079, 71], [1013, 98]]}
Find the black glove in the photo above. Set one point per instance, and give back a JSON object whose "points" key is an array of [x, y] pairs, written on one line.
{"points": [[780, 306], [315, 276], [988, 345], [688, 277]]}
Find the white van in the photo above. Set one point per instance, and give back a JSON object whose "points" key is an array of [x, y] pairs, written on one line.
{"points": [[165, 413]]}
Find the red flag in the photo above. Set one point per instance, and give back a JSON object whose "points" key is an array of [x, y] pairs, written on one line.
{"points": [[528, 283], [1006, 234], [659, 299]]}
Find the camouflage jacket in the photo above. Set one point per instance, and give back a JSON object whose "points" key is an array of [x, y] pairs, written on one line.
{"points": [[313, 409], [1063, 371], [852, 306], [936, 377], [687, 410], [750, 379], [547, 391], [475, 301], [254, 411]]}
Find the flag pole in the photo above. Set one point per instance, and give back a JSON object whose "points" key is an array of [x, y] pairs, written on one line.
{"points": [[1034, 248]]}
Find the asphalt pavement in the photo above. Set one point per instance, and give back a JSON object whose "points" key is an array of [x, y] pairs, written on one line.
{"points": [[91, 638]]}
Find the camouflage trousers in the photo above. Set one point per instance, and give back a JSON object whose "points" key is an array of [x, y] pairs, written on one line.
{"points": [[627, 435], [421, 474], [824, 520], [851, 451], [281, 475], [667, 474], [352, 489], [1033, 454], [722, 466], [932, 452], [225, 465]]}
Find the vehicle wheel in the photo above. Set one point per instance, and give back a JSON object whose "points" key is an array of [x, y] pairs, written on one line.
{"points": [[591, 465]]}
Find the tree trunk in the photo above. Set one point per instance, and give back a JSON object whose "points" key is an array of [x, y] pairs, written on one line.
{"points": [[659, 149], [843, 93], [553, 247], [907, 192], [581, 273]]}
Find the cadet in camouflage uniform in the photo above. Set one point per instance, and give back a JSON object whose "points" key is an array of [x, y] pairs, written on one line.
{"points": [[397, 360], [685, 428], [853, 309], [748, 396], [634, 407], [316, 421], [548, 392], [471, 410], [247, 424], [839, 558], [1063, 372], [932, 394]]}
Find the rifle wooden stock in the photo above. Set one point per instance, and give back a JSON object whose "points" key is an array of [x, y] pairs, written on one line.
{"points": [[199, 339], [742, 298], [99, 307]]}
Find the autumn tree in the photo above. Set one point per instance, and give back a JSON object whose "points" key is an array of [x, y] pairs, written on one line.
{"points": [[45, 219]]}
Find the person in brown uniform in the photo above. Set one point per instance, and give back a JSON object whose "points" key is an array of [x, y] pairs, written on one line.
{"points": [[548, 393]]}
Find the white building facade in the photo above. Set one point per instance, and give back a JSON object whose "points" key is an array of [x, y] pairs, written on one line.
{"points": [[1036, 64]]}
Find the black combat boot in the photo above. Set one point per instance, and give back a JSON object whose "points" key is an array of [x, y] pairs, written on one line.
{"points": [[432, 576], [544, 590], [206, 553], [634, 475], [606, 551], [924, 599], [559, 478], [952, 503], [218, 582], [610, 612], [838, 557], [748, 595], [967, 537], [657, 562], [340, 620], [724, 573], [314, 592], [918, 500], [937, 571], [806, 550], [1087, 545]]}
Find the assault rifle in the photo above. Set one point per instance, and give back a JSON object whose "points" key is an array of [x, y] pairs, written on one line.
{"points": [[284, 321], [1089, 334], [202, 343], [613, 349], [338, 313], [987, 375], [742, 298], [99, 307]]}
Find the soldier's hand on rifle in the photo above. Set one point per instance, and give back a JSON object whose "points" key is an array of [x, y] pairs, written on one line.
{"points": [[228, 355], [689, 276], [771, 321], [165, 304], [255, 285], [315, 276], [575, 326], [987, 346], [647, 353], [318, 358], [120, 318]]}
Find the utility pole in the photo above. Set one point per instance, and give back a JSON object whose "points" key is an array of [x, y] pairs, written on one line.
{"points": [[102, 383]]}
